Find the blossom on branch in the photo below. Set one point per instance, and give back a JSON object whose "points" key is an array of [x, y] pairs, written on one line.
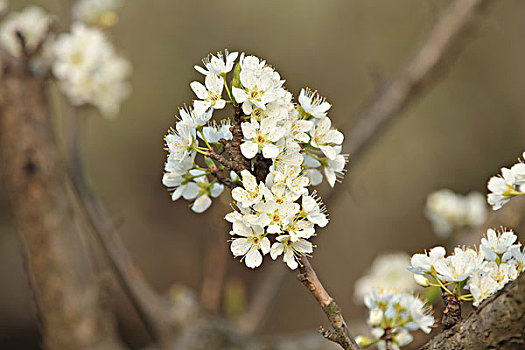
{"points": [[448, 211], [89, 71], [272, 144], [510, 184], [483, 272]]}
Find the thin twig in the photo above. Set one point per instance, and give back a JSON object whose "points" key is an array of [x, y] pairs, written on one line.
{"points": [[265, 291], [430, 64], [152, 309], [340, 334], [425, 69]]}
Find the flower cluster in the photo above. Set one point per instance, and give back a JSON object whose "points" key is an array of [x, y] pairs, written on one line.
{"points": [[98, 13], [388, 271], [449, 211], [89, 71], [84, 62], [511, 183], [482, 272], [269, 154], [392, 315], [33, 25]]}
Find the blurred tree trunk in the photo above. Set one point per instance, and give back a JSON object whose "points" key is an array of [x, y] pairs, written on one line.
{"points": [[61, 274]]}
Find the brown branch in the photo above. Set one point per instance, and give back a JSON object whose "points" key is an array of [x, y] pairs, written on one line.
{"points": [[425, 69], [340, 334], [430, 63], [155, 311], [452, 312], [61, 272], [497, 324]]}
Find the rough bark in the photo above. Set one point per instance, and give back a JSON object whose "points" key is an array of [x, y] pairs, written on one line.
{"points": [[499, 323], [65, 289], [452, 312]]}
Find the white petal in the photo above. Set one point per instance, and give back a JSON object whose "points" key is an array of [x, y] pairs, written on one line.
{"points": [[270, 151], [240, 246], [289, 259], [239, 94], [191, 191], [199, 89], [276, 250], [249, 149], [330, 176], [201, 204], [254, 258], [265, 245], [216, 190]]}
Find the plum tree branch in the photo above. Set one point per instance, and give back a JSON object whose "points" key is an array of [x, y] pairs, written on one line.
{"points": [[340, 334], [497, 324], [61, 272]]}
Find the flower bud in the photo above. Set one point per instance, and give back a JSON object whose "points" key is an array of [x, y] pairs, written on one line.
{"points": [[236, 81], [363, 341], [375, 318], [421, 280]]}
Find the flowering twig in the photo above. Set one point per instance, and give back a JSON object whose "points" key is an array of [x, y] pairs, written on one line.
{"points": [[496, 324], [340, 334]]}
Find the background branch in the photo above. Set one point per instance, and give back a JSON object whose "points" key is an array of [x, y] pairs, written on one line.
{"points": [[157, 312], [430, 64], [61, 273]]}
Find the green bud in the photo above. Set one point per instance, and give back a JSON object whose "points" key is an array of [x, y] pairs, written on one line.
{"points": [[236, 81], [209, 163]]}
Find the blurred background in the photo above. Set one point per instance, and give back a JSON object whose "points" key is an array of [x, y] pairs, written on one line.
{"points": [[456, 137]]}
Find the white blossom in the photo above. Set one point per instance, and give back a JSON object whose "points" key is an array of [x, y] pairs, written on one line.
{"points": [[33, 24], [459, 266], [260, 85], [277, 214], [448, 211], [423, 263], [314, 211], [291, 250], [217, 64], [261, 137], [89, 71], [181, 142], [251, 193], [511, 183], [400, 312], [334, 168], [248, 245], [313, 104], [100, 13], [191, 185], [216, 132], [193, 118], [388, 271], [325, 138], [489, 279], [498, 245], [211, 94]]}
